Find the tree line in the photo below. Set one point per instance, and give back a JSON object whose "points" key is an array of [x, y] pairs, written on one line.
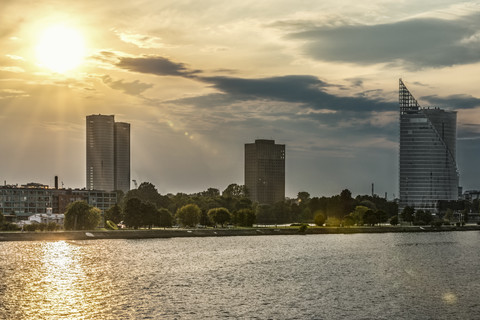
{"points": [[145, 207]]}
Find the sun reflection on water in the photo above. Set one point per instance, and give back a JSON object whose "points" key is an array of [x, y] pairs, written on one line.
{"points": [[61, 280]]}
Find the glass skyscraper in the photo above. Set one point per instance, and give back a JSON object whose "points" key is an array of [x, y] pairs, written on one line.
{"points": [[108, 153], [428, 170]]}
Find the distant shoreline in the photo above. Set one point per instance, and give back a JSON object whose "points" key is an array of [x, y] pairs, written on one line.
{"points": [[184, 233]]}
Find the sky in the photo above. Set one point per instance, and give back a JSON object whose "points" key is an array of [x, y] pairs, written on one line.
{"points": [[199, 79]]}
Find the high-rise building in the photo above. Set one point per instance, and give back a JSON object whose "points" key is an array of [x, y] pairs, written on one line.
{"points": [[122, 156], [108, 153], [428, 170], [265, 171]]}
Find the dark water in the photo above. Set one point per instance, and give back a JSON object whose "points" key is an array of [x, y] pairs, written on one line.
{"points": [[362, 276]]}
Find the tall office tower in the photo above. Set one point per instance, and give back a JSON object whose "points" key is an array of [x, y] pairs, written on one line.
{"points": [[122, 156], [108, 154], [428, 171], [265, 171]]}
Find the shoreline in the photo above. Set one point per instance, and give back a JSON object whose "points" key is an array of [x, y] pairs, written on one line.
{"points": [[184, 233]]}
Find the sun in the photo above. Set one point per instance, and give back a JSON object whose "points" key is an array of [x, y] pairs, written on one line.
{"points": [[60, 48]]}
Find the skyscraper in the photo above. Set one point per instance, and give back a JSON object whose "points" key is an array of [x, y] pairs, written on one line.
{"points": [[265, 171], [428, 171], [108, 153]]}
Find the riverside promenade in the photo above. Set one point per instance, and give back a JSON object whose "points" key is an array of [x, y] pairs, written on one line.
{"points": [[216, 232]]}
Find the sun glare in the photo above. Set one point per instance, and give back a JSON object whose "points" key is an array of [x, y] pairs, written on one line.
{"points": [[60, 49]]}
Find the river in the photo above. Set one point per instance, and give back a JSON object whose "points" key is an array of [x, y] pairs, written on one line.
{"points": [[357, 276]]}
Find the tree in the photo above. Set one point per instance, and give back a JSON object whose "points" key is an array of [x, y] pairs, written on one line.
{"points": [[423, 217], [264, 214], [164, 218], [394, 220], [114, 214], [370, 218], [243, 217], [382, 216], [235, 191], [133, 213], [407, 214], [303, 197], [188, 215], [2, 218], [319, 218], [358, 215], [81, 216], [148, 214], [348, 221], [219, 215]]}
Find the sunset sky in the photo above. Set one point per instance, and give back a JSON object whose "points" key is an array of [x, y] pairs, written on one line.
{"points": [[199, 79]]}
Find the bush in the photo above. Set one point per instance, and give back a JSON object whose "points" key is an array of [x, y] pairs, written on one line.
{"points": [[394, 220], [319, 219], [303, 228], [10, 227], [30, 227], [110, 225], [52, 226]]}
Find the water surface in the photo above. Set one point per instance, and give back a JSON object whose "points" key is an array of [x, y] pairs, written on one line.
{"points": [[359, 276]]}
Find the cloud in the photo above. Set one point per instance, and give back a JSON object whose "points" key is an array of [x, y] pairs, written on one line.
{"points": [[456, 101], [303, 89], [133, 88], [156, 65], [141, 40], [421, 42]]}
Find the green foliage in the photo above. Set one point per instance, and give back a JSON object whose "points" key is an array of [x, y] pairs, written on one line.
{"points": [[219, 216], [81, 216], [2, 219], [423, 218], [243, 218], [264, 214], [164, 218], [10, 227], [235, 191], [110, 225], [348, 221], [148, 214], [394, 220], [303, 228], [332, 222], [358, 215], [114, 214], [370, 218], [147, 192], [133, 213], [319, 218], [52, 226], [30, 227], [407, 214], [188, 215]]}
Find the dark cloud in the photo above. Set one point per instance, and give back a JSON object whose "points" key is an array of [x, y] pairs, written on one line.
{"points": [[134, 88], [302, 89], [456, 101], [415, 43], [156, 65]]}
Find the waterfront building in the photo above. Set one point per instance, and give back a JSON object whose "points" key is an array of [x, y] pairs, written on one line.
{"points": [[428, 170], [265, 171], [108, 153], [19, 203]]}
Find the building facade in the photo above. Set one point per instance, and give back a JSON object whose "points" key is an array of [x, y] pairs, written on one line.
{"points": [[265, 171], [27, 200], [428, 170], [108, 153]]}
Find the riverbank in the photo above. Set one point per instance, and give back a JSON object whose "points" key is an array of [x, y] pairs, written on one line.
{"points": [[175, 233]]}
